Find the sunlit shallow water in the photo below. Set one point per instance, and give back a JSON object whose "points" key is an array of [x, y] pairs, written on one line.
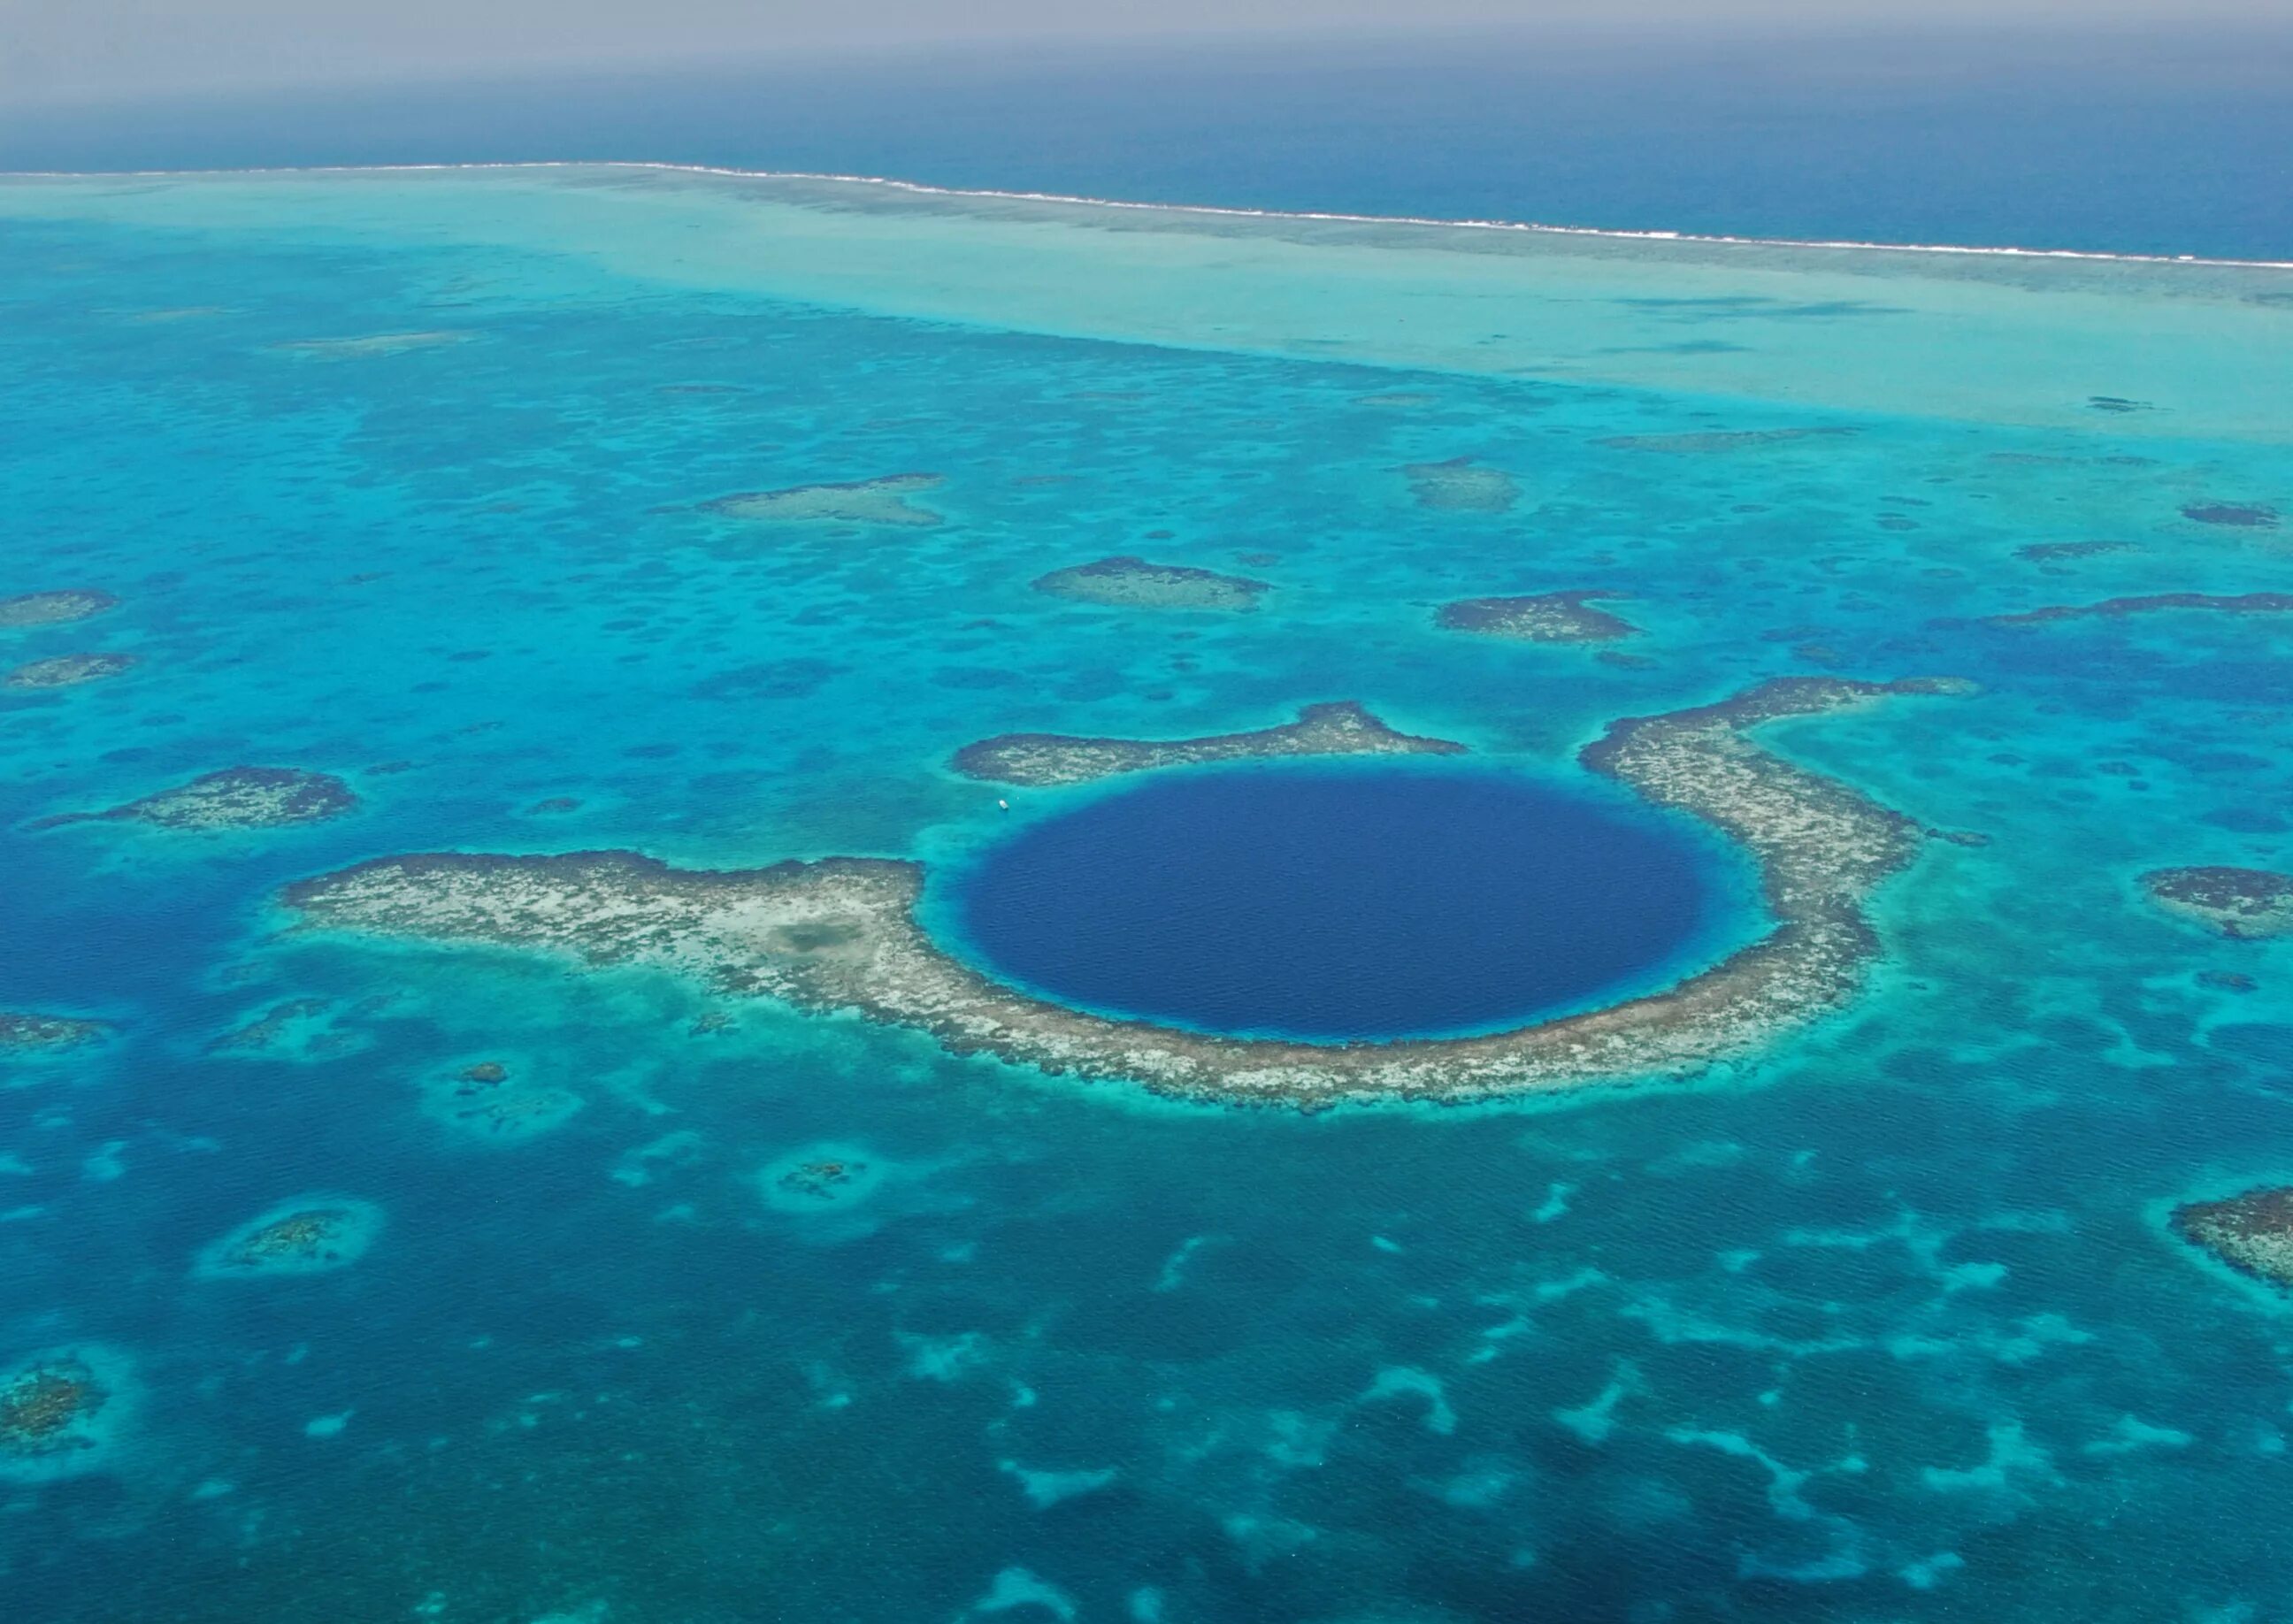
{"points": [[1877, 1323]]}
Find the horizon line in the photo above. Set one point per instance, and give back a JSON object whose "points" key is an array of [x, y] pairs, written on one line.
{"points": [[1228, 211]]}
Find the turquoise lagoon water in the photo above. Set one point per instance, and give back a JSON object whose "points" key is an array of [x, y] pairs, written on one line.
{"points": [[1877, 1324]]}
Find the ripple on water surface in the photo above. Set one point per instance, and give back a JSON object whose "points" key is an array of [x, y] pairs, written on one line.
{"points": [[1346, 903]]}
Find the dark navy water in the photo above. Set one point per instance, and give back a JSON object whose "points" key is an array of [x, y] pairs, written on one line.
{"points": [[2102, 139], [1348, 904]]}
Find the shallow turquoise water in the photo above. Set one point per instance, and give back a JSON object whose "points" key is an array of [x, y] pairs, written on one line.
{"points": [[1879, 1325]]}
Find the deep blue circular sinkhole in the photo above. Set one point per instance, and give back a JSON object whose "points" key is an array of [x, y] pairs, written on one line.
{"points": [[1335, 903]]}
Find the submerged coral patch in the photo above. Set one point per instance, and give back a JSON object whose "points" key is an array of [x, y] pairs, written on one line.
{"points": [[2237, 903], [373, 345], [2064, 552], [1040, 760], [871, 502], [2114, 609], [69, 670], [488, 1102], [2238, 515], [235, 799], [309, 1235], [822, 1178], [2252, 1232], [52, 607], [49, 1033], [1551, 617], [1462, 486], [841, 933], [59, 1412], [1132, 583], [1715, 439]]}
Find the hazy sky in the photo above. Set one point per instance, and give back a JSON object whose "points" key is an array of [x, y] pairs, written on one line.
{"points": [[75, 50]]}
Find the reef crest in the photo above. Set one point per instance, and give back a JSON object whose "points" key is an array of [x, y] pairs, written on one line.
{"points": [[842, 934], [1042, 760]]}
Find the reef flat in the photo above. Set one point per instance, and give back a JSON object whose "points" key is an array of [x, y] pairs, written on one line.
{"points": [[311, 1235], [1039, 761], [2067, 552], [235, 799], [484, 1102], [2112, 608], [2236, 902], [1132, 583], [52, 607], [1462, 486], [67, 670], [1551, 617], [842, 934], [2252, 1232], [20, 1030], [882, 502]]}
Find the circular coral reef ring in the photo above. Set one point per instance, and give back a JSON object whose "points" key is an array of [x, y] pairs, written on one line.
{"points": [[311, 1234], [63, 1411], [842, 934]]}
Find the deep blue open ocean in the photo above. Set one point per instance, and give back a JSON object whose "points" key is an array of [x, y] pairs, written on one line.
{"points": [[670, 1304]]}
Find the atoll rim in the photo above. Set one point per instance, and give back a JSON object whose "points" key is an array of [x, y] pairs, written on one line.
{"points": [[841, 933]]}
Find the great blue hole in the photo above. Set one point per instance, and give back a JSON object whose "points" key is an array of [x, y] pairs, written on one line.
{"points": [[1336, 903]]}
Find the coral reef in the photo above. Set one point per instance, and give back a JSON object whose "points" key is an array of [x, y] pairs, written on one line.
{"points": [[307, 1236], [51, 608], [1039, 760], [1551, 617], [22, 1031], [1132, 583], [235, 799], [2251, 1233], [1462, 486], [2238, 515], [875, 501], [842, 934], [69, 670], [2062, 551], [1714, 439], [2243, 603], [484, 1102], [57, 1411], [2238, 902], [372, 344]]}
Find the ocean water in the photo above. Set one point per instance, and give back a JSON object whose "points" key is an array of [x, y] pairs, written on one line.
{"points": [[1377, 902], [1878, 1323], [2110, 136]]}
